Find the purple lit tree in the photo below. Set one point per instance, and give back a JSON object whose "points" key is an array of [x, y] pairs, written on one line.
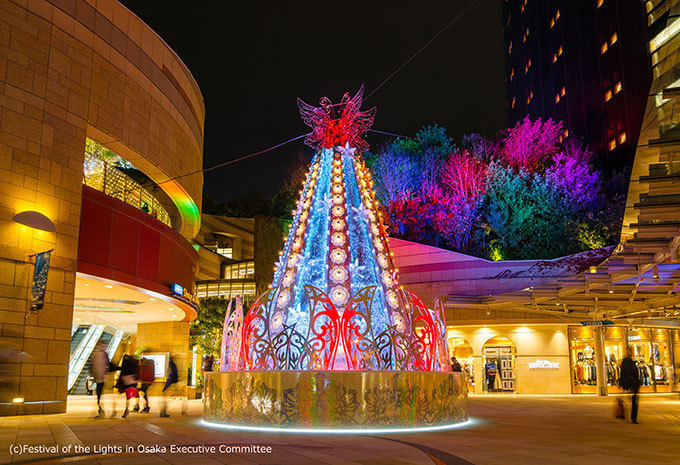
{"points": [[530, 145]]}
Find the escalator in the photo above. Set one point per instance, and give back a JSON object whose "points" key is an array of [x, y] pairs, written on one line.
{"points": [[83, 343], [80, 387], [77, 336]]}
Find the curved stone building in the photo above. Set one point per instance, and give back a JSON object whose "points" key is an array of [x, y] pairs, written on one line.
{"points": [[100, 123]]}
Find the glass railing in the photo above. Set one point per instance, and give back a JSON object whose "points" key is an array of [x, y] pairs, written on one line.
{"points": [[242, 270], [226, 289], [104, 175]]}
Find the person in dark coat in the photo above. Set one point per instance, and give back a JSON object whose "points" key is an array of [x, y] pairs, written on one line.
{"points": [[173, 378], [127, 381], [455, 365], [630, 382]]}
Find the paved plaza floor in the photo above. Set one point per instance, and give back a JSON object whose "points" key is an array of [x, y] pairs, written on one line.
{"points": [[505, 429]]}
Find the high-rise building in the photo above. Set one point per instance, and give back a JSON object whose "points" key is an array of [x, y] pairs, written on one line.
{"points": [[584, 63]]}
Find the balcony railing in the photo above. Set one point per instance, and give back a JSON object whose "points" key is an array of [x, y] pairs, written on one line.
{"points": [[105, 177]]}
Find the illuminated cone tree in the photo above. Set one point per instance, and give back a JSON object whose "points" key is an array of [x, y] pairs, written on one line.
{"points": [[335, 302]]}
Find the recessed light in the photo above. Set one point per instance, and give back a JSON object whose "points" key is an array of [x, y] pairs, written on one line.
{"points": [[171, 308], [77, 319], [152, 299], [86, 284], [108, 285], [174, 316]]}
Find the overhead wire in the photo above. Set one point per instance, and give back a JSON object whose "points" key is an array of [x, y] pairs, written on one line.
{"points": [[456, 18], [394, 73]]}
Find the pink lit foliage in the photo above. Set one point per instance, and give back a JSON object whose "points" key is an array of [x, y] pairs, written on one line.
{"points": [[530, 145], [465, 176]]}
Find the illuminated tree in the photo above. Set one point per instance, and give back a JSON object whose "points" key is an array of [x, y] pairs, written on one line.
{"points": [[529, 145]]}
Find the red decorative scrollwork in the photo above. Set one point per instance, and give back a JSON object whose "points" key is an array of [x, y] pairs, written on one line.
{"points": [[256, 344], [424, 336], [324, 331], [357, 338]]}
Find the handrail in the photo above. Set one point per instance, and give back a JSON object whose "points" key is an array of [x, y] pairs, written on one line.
{"points": [[82, 354]]}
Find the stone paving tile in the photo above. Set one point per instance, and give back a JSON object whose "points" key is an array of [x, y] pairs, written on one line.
{"points": [[506, 430]]}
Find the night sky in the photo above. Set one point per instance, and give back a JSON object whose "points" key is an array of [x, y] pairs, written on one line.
{"points": [[253, 59]]}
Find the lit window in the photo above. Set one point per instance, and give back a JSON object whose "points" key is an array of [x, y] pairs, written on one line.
{"points": [[613, 39], [612, 144], [603, 48], [526, 35], [599, 3], [566, 133], [552, 23], [559, 51], [562, 92], [513, 103], [557, 98], [622, 138], [528, 66], [510, 47], [618, 87], [608, 96], [512, 74], [554, 58], [557, 14]]}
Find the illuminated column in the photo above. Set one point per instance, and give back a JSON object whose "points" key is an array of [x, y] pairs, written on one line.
{"points": [[598, 335], [478, 371]]}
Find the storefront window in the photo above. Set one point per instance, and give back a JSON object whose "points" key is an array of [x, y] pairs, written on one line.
{"points": [[640, 341], [615, 350], [651, 349], [582, 356], [661, 360], [462, 350], [499, 365]]}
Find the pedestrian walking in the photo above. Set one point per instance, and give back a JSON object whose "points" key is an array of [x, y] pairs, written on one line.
{"points": [[147, 374], [99, 369], [455, 365], [629, 381], [127, 381], [173, 378]]}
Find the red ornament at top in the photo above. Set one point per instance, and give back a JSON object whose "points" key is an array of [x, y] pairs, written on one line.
{"points": [[337, 124]]}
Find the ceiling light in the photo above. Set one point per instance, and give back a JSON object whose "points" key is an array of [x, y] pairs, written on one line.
{"points": [[152, 299], [593, 269], [174, 316], [611, 288], [86, 284], [108, 286], [655, 272], [171, 308]]}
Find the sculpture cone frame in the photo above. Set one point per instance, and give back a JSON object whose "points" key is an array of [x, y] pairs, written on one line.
{"points": [[335, 302], [336, 342]]}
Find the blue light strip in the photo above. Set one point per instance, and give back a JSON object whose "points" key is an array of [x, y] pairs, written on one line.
{"points": [[271, 429]]}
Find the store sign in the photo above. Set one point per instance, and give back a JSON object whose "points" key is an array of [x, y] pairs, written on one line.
{"points": [[543, 365], [597, 323], [182, 292]]}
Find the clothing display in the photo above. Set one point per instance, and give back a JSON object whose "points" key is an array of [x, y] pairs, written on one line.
{"points": [[499, 369], [651, 350]]}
